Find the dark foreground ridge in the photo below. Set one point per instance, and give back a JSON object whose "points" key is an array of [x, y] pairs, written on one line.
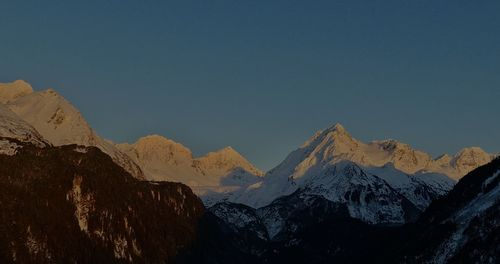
{"points": [[73, 204]]}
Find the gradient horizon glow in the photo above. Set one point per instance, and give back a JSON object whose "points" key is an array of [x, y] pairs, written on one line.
{"points": [[263, 76]]}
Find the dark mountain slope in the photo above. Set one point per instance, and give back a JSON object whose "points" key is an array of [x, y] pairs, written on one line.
{"points": [[74, 204], [461, 227], [310, 229]]}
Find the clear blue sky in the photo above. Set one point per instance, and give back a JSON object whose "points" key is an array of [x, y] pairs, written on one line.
{"points": [[262, 76]]}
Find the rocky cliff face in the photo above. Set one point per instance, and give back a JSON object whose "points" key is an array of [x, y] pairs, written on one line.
{"points": [[74, 204]]}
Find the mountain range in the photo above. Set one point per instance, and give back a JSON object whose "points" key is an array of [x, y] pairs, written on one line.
{"points": [[109, 197]]}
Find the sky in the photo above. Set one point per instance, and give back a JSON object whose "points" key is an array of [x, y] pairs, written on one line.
{"points": [[263, 76]]}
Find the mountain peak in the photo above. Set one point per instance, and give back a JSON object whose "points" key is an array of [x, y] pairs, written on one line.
{"points": [[16, 89], [334, 132], [471, 154], [152, 144], [154, 137], [338, 135], [21, 83], [337, 127], [471, 150], [60, 123], [227, 150], [228, 159], [339, 132]]}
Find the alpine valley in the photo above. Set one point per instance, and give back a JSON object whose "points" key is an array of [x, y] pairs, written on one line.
{"points": [[71, 196]]}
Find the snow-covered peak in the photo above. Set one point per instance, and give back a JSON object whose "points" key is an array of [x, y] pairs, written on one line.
{"points": [[470, 158], [336, 144], [11, 91], [55, 118], [337, 134], [227, 149], [163, 159], [156, 148], [471, 152], [409, 170], [403, 155], [227, 159], [337, 128], [60, 123]]}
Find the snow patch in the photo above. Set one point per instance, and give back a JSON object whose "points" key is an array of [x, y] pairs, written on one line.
{"points": [[35, 246], [84, 203], [8, 148], [120, 248], [476, 207], [80, 149]]}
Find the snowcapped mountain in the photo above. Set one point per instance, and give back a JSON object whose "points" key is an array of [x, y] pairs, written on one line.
{"points": [[160, 158], [461, 163], [216, 173], [11, 125], [335, 143], [380, 182], [59, 122]]}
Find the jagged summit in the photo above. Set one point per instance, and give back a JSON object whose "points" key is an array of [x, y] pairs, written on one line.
{"points": [[390, 160], [336, 131], [339, 128], [60, 123], [335, 144], [11, 91], [226, 151], [55, 118]]}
